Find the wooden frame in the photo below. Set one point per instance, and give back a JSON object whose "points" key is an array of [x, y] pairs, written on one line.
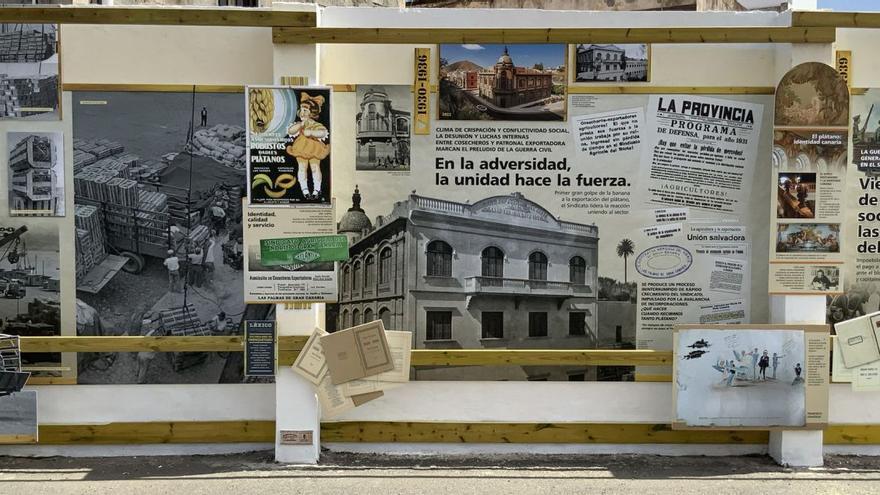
{"points": [[571, 36], [263, 431], [155, 88]]}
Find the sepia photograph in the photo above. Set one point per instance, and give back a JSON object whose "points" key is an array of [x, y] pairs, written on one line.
{"points": [[808, 238], [503, 82], [36, 173], [809, 151], [604, 63], [383, 127], [159, 181], [29, 58], [796, 195], [812, 94], [734, 378]]}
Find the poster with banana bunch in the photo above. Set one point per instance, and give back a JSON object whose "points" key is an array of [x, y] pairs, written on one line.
{"points": [[288, 142]]}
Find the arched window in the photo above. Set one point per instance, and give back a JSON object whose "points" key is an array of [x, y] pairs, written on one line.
{"points": [[368, 315], [357, 283], [346, 280], [385, 316], [537, 266], [370, 271], [577, 271], [492, 263], [355, 318], [345, 321], [385, 266], [439, 259]]}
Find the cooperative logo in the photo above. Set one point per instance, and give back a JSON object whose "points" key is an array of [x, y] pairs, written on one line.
{"points": [[307, 256], [664, 261]]}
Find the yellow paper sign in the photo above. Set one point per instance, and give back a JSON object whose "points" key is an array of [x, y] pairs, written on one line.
{"points": [[422, 92]]}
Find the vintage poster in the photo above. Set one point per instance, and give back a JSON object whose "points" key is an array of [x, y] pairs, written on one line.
{"points": [[750, 377], [612, 63], [527, 235], [809, 170], [29, 87], [159, 179], [36, 173], [699, 152], [288, 145], [384, 126], [307, 279], [520, 82]]}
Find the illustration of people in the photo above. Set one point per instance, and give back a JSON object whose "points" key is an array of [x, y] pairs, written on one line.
{"points": [[801, 192], [820, 281], [309, 146], [731, 373], [204, 117], [775, 362], [797, 374], [754, 355], [764, 363]]}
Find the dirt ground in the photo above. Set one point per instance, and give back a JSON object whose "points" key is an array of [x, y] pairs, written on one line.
{"points": [[352, 474]]}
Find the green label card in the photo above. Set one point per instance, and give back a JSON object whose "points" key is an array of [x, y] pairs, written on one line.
{"points": [[302, 250]]}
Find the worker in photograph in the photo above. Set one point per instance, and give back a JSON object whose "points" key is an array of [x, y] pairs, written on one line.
{"points": [[195, 273], [209, 258], [172, 263]]}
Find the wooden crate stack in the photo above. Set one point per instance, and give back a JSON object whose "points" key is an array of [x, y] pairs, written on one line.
{"points": [[10, 356], [9, 106], [26, 46], [184, 322], [89, 238]]}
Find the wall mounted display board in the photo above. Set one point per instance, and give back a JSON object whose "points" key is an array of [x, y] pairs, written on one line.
{"points": [[809, 173], [751, 377], [526, 232], [612, 63], [159, 178], [29, 76]]}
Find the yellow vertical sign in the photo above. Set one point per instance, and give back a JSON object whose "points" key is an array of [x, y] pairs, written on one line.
{"points": [[422, 91], [844, 66]]}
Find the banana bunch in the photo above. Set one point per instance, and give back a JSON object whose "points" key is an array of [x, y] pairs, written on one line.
{"points": [[283, 182], [261, 102]]}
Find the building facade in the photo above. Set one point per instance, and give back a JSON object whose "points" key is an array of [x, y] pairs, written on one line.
{"points": [[600, 63], [507, 85], [499, 273], [383, 132], [464, 79]]}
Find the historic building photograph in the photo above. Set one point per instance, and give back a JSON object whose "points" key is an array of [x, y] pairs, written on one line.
{"points": [[500, 82], [498, 273], [383, 124], [600, 63]]}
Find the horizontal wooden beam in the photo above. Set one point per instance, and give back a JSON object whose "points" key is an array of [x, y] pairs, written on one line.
{"points": [[155, 88], [159, 432], [540, 357], [262, 431], [16, 439], [580, 88], [836, 19], [139, 343], [554, 35], [162, 16], [528, 433]]}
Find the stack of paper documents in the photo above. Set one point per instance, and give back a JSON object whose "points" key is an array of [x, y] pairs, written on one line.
{"points": [[354, 366], [857, 353]]}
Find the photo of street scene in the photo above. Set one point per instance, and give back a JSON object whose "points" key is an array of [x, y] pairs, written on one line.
{"points": [[29, 284], [36, 173], [808, 237], [503, 82], [383, 123], [29, 71], [796, 195], [159, 181], [603, 63]]}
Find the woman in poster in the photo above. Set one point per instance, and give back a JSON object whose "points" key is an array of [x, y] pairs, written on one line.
{"points": [[309, 146]]}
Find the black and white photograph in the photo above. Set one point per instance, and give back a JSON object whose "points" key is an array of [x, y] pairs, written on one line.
{"points": [[500, 272], [520, 82], [29, 58], [36, 173], [606, 63], [383, 123], [30, 284], [159, 181], [825, 277]]}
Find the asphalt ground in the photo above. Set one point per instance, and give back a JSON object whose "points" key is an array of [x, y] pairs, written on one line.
{"points": [[356, 474]]}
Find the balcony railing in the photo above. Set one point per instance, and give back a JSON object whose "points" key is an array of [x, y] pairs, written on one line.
{"points": [[519, 286]]}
